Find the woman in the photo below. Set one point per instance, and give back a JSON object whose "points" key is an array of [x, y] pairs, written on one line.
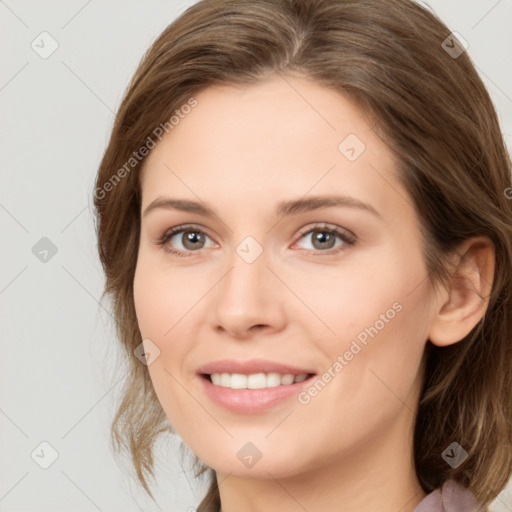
{"points": [[372, 373]]}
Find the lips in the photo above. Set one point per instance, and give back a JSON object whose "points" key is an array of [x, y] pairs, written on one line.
{"points": [[252, 386], [251, 366]]}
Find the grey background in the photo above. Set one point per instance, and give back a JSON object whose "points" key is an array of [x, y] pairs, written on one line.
{"points": [[59, 372]]}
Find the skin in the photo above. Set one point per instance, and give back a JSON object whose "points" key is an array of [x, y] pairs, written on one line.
{"points": [[243, 150]]}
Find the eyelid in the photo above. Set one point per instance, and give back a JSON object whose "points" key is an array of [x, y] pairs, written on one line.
{"points": [[318, 226], [185, 227]]}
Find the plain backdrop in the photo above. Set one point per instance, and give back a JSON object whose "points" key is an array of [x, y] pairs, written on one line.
{"points": [[58, 367]]}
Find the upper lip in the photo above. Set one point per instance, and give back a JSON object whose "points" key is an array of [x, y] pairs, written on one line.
{"points": [[250, 366]]}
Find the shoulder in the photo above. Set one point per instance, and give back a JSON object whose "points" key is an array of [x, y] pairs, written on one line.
{"points": [[451, 497]]}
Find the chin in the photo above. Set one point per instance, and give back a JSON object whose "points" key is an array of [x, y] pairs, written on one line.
{"points": [[252, 460]]}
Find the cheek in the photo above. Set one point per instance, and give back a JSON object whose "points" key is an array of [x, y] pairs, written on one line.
{"points": [[164, 296], [167, 303], [378, 317], [158, 310]]}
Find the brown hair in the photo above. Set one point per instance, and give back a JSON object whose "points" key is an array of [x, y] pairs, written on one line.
{"points": [[433, 111]]}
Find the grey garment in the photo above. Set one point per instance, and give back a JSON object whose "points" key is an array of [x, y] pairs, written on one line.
{"points": [[451, 497]]}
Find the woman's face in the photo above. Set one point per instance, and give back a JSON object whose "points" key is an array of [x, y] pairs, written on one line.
{"points": [[299, 253]]}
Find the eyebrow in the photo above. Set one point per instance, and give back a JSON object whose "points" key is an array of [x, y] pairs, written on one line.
{"points": [[284, 208]]}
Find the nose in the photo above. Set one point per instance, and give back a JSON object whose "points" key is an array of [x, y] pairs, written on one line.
{"points": [[249, 300]]}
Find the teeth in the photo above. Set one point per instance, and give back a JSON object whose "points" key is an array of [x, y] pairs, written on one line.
{"points": [[255, 380], [235, 381], [216, 378], [287, 379]]}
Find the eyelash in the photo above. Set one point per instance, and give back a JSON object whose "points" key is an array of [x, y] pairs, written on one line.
{"points": [[347, 238]]}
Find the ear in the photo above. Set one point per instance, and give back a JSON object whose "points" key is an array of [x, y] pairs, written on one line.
{"points": [[463, 303]]}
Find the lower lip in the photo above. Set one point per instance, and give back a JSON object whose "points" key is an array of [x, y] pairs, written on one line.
{"points": [[251, 400]]}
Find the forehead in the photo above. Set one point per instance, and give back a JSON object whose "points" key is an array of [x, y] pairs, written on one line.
{"points": [[269, 115], [281, 135]]}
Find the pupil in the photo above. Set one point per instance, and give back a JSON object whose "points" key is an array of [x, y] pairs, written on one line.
{"points": [[191, 238], [326, 240]]}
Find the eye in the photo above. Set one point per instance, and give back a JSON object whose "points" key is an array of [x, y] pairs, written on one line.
{"points": [[326, 239], [183, 239]]}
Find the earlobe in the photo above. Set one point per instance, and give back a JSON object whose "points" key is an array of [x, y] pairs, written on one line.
{"points": [[468, 293]]}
